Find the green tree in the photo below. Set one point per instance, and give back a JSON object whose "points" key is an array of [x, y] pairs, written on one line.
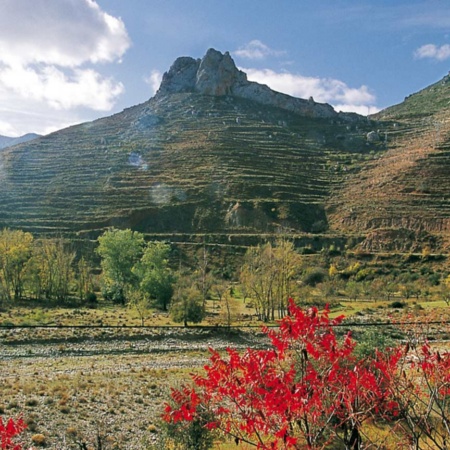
{"points": [[353, 290], [119, 250], [154, 275], [140, 302], [187, 305], [15, 252]]}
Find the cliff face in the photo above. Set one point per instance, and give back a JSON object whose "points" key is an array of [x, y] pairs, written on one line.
{"points": [[216, 74]]}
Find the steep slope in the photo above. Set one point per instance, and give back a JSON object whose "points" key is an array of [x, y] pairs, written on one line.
{"points": [[211, 152], [402, 200]]}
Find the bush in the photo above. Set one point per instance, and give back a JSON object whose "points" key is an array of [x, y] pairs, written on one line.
{"points": [[397, 304], [38, 439], [192, 435], [314, 276], [114, 293], [91, 297]]}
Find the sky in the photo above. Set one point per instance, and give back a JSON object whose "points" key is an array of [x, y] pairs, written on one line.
{"points": [[64, 62]]}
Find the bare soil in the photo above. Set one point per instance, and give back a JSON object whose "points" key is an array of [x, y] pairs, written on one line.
{"points": [[75, 386]]}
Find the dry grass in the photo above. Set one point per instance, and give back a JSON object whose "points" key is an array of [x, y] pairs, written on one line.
{"points": [[67, 399]]}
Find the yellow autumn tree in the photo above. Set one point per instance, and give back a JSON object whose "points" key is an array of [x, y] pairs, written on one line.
{"points": [[15, 252]]}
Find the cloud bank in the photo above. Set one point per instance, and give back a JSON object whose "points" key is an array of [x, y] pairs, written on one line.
{"points": [[49, 57], [323, 90], [433, 52]]}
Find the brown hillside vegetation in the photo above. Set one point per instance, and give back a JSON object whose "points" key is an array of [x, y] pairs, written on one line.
{"points": [[402, 199]]}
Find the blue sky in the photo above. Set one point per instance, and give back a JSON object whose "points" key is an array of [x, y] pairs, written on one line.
{"points": [[69, 61]]}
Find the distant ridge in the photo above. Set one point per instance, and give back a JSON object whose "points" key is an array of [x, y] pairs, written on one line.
{"points": [[6, 141]]}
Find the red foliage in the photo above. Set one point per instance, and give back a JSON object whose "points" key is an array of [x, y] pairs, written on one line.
{"points": [[306, 391], [9, 431]]}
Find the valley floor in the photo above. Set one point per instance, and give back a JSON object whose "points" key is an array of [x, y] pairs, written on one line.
{"points": [[71, 390]]}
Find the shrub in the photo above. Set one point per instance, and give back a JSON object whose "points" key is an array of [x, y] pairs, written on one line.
{"points": [[314, 276], [189, 435], [303, 392], [114, 293], [397, 304], [38, 439], [9, 431], [91, 298]]}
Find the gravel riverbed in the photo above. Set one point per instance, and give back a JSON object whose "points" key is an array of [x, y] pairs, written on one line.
{"points": [[71, 385]]}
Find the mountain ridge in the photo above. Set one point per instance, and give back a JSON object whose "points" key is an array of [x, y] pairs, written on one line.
{"points": [[6, 141], [198, 160], [216, 74]]}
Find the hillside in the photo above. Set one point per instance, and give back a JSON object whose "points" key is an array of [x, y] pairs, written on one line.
{"points": [[407, 206], [185, 162], [212, 153]]}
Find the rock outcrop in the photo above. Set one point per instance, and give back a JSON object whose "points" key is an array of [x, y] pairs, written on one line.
{"points": [[216, 74]]}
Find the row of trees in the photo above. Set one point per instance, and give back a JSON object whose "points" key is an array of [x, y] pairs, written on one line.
{"points": [[139, 274], [41, 268]]}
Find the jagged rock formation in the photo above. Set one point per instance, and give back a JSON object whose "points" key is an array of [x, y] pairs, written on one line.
{"points": [[216, 74]]}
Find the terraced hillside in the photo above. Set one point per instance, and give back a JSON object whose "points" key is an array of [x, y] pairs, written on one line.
{"points": [[213, 153], [181, 163], [402, 199]]}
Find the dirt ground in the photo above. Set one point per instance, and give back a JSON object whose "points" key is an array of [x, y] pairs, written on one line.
{"points": [[73, 386]]}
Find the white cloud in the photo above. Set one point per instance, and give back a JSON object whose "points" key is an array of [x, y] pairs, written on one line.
{"points": [[154, 80], [63, 32], [82, 88], [323, 90], [433, 51], [49, 56], [7, 129], [257, 50]]}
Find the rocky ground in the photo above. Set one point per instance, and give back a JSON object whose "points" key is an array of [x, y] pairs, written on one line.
{"points": [[73, 385]]}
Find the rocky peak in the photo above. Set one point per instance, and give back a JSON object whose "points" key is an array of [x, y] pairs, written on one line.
{"points": [[216, 74]]}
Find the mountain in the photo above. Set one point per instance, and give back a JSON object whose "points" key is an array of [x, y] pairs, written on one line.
{"points": [[6, 141], [213, 153], [401, 200]]}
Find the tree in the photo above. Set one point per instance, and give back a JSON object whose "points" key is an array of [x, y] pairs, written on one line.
{"points": [[187, 305], [258, 278], [444, 290], [50, 270], [119, 251], [154, 275], [203, 277], [140, 302], [84, 279], [353, 290], [268, 275], [305, 392], [15, 252]]}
